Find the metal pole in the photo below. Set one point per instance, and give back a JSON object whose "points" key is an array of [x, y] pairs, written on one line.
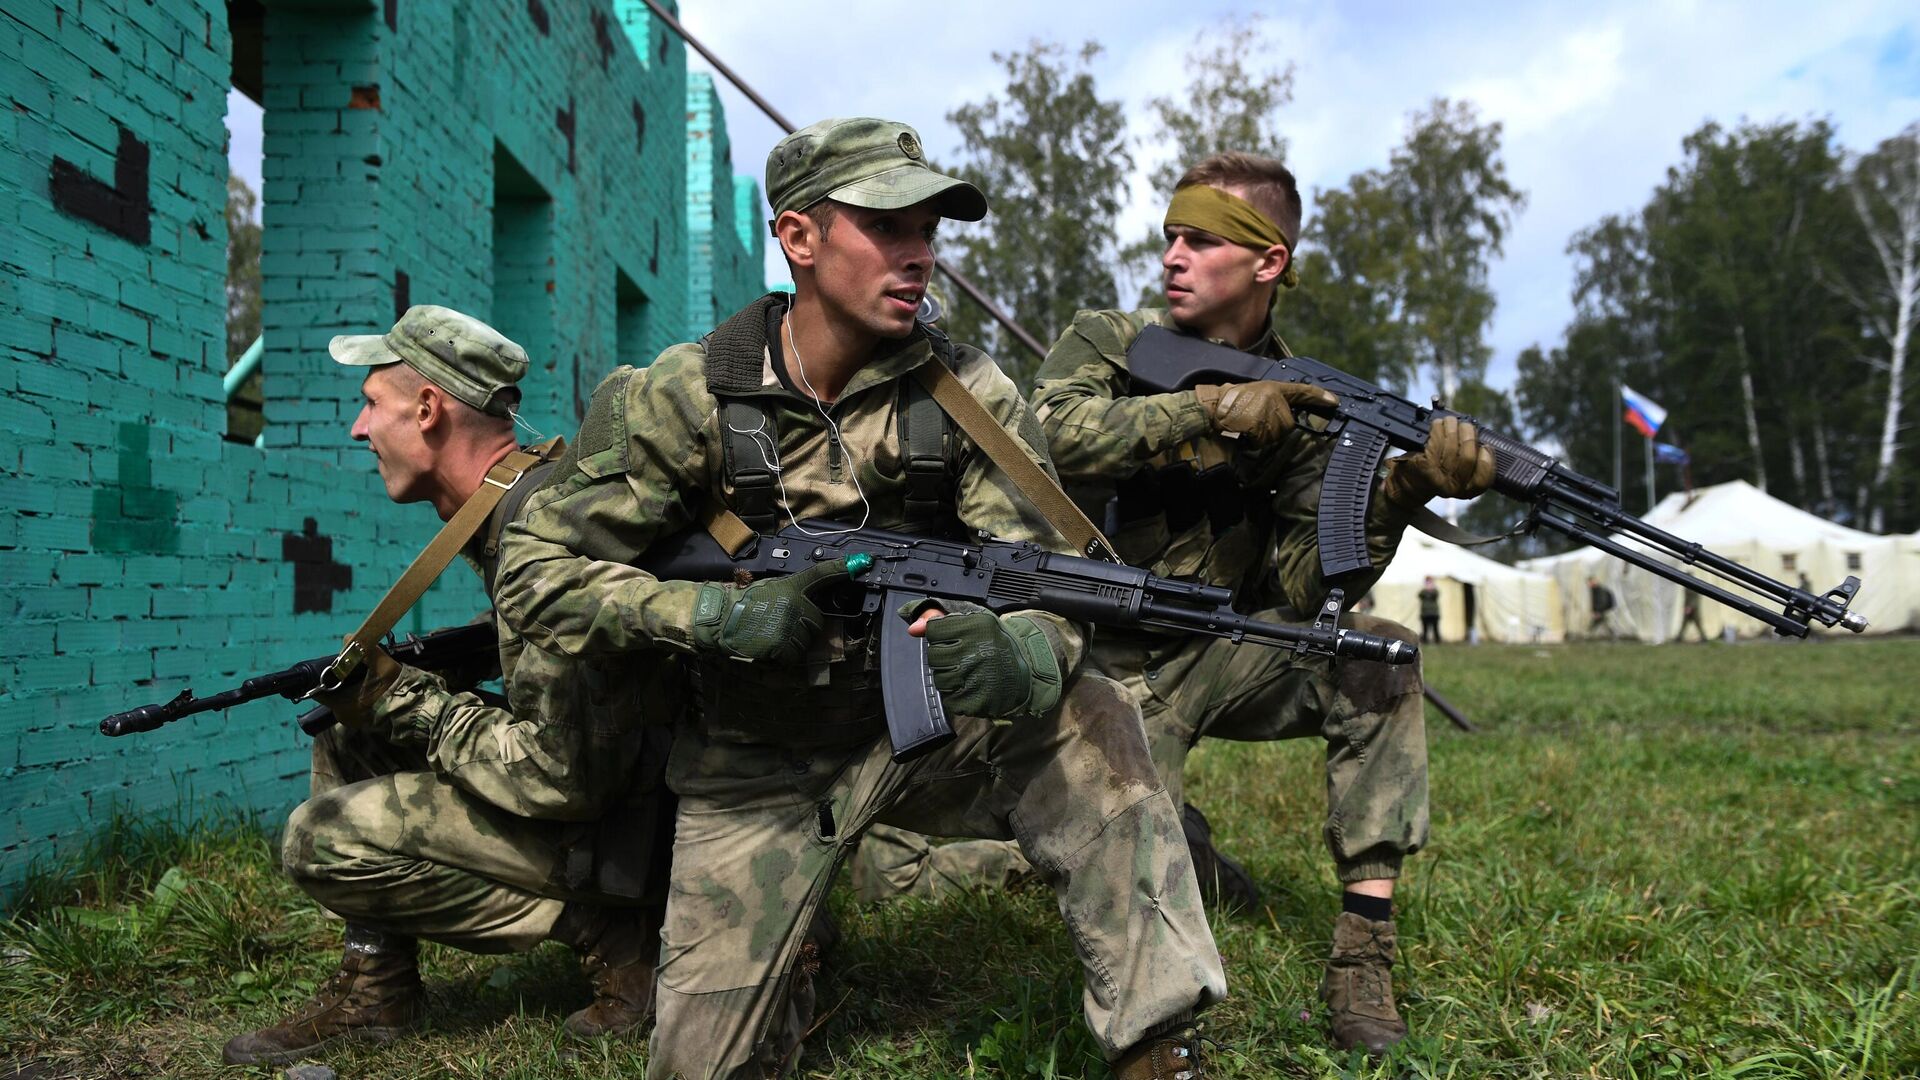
{"points": [[1619, 418], [1650, 495], [959, 280]]}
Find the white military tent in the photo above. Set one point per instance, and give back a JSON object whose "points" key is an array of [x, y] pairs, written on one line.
{"points": [[1509, 605], [1743, 523]]}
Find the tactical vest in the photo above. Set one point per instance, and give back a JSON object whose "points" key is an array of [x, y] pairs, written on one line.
{"points": [[736, 359]]}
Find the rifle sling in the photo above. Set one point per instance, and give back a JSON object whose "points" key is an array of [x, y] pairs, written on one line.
{"points": [[992, 439], [1447, 532], [433, 559], [734, 535]]}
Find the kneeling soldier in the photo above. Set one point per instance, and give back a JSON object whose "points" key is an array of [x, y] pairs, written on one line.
{"points": [[444, 815]]}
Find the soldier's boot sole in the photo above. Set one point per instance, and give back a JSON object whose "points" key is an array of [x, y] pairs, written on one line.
{"points": [[237, 1054]]}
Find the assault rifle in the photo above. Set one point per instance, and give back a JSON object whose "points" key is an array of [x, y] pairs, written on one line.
{"points": [[1369, 419], [465, 646], [1000, 576]]}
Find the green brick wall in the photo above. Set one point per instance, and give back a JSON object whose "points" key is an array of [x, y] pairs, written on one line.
{"points": [[416, 150], [726, 222]]}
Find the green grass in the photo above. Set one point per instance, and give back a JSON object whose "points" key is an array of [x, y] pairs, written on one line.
{"points": [[1651, 862]]}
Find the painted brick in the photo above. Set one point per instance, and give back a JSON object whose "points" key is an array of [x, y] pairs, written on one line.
{"points": [[109, 399]]}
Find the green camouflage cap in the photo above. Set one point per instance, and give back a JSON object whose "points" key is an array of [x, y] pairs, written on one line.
{"points": [[458, 353], [877, 164]]}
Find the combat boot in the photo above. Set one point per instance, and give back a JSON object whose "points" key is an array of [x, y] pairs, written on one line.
{"points": [[1224, 884], [374, 995], [1358, 985], [1172, 1056], [618, 949]]}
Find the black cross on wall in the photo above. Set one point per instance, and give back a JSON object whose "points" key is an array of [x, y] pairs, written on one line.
{"points": [[564, 120], [122, 209], [316, 577], [603, 38]]}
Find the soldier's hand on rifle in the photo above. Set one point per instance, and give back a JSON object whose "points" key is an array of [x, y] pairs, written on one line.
{"points": [[1261, 411], [1453, 465], [772, 619], [354, 700], [985, 664]]}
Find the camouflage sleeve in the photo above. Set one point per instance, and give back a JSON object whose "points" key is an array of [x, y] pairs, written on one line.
{"points": [[1302, 463], [988, 500], [630, 478], [537, 758], [1096, 429]]}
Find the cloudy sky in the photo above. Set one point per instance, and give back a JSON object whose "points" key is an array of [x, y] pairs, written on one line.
{"points": [[1594, 97]]}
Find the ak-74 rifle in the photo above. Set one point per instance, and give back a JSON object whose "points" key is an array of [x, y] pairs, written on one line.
{"points": [[1370, 419], [887, 570], [464, 647]]}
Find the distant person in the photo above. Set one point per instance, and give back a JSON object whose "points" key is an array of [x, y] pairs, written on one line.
{"points": [[1600, 602], [1429, 612], [1690, 615]]}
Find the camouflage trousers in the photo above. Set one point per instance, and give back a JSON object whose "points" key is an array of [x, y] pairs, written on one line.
{"points": [[762, 829], [387, 843], [1371, 716]]}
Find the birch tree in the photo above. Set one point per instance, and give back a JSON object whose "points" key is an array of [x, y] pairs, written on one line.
{"points": [[1885, 191]]}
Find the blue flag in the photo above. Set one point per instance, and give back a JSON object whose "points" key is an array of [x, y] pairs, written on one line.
{"points": [[1669, 454]]}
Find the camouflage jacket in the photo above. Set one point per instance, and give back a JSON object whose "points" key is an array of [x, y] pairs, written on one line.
{"points": [[647, 460], [569, 745], [1100, 434]]}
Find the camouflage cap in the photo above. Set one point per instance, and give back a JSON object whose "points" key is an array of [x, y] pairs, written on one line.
{"points": [[877, 164], [458, 353]]}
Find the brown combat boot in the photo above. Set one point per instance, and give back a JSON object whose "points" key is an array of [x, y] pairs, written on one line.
{"points": [[374, 996], [618, 949], [1224, 884], [1174, 1055], [1358, 985]]}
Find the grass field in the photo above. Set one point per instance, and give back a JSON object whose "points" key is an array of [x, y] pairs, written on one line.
{"points": [[1684, 861]]}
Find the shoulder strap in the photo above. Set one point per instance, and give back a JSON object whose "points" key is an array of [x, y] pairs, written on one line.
{"points": [[928, 447], [1033, 481], [433, 559], [736, 356]]}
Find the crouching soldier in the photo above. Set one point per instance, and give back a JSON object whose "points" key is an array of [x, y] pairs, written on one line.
{"points": [[450, 816]]}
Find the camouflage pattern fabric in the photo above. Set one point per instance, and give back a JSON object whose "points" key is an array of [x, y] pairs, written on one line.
{"points": [[1099, 433], [457, 820], [778, 767], [891, 863], [1370, 715]]}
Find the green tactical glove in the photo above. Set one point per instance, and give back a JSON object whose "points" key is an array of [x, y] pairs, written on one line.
{"points": [[1453, 465], [772, 619], [988, 665], [1261, 411]]}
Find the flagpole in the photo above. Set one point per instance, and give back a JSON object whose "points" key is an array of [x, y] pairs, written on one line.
{"points": [[1650, 495], [1619, 418]]}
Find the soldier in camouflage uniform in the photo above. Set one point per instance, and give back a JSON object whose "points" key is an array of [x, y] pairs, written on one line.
{"points": [[1219, 484], [450, 816], [782, 763]]}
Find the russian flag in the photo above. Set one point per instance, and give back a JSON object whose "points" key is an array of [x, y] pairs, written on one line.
{"points": [[1645, 416]]}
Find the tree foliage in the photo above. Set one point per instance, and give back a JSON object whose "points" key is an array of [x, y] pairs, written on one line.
{"points": [[1734, 298], [1052, 157], [243, 267], [245, 417], [1394, 266], [1232, 101]]}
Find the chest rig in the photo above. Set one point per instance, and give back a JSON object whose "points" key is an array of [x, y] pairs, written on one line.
{"points": [[736, 352]]}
